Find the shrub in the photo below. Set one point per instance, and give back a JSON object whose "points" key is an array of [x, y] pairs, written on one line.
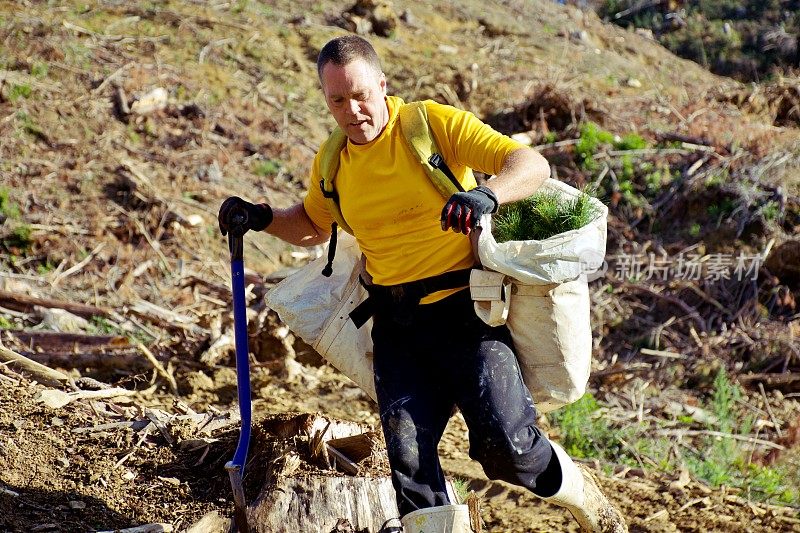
{"points": [[631, 141], [592, 136], [19, 91], [584, 433]]}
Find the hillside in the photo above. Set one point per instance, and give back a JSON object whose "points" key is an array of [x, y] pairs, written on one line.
{"points": [[747, 40], [694, 417]]}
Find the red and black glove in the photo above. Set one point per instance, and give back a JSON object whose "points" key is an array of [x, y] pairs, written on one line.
{"points": [[464, 209], [238, 216]]}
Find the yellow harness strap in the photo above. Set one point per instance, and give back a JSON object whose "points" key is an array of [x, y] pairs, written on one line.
{"points": [[328, 167], [417, 134]]}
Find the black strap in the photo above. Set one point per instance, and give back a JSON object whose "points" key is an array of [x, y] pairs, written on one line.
{"points": [[333, 194], [438, 162], [401, 299], [328, 270]]}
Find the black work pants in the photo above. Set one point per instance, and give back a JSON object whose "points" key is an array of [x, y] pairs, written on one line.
{"points": [[447, 357]]}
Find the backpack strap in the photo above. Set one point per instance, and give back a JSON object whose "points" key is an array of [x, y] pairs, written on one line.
{"points": [[417, 133], [328, 167]]}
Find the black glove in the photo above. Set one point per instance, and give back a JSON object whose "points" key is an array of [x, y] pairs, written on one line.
{"points": [[237, 216], [464, 209]]}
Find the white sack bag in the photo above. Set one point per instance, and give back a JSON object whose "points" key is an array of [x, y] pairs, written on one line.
{"points": [[563, 257], [318, 309], [547, 303]]}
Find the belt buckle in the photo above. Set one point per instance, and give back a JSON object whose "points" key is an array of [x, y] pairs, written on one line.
{"points": [[398, 293]]}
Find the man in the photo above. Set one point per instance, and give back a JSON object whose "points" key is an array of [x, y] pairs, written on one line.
{"points": [[431, 352]]}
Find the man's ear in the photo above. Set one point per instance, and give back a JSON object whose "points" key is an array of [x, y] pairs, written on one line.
{"points": [[382, 83]]}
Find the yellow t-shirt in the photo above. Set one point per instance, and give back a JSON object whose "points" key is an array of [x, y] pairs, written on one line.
{"points": [[390, 203]]}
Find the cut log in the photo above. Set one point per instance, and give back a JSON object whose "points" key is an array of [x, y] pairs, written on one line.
{"points": [[315, 504]]}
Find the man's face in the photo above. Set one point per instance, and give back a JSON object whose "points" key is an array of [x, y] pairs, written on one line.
{"points": [[355, 96]]}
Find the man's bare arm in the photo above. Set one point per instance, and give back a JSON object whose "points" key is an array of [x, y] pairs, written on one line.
{"points": [[523, 172], [293, 225]]}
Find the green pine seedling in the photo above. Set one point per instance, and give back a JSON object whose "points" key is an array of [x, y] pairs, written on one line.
{"points": [[543, 215]]}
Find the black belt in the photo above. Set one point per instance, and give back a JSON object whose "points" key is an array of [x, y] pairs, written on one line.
{"points": [[401, 300]]}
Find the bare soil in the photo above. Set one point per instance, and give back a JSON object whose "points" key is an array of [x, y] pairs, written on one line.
{"points": [[114, 209]]}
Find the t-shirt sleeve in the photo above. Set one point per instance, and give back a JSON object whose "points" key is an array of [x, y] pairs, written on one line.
{"points": [[471, 142], [314, 203]]}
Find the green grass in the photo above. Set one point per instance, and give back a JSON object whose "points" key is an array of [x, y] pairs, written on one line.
{"points": [[19, 91], [770, 211], [717, 459], [20, 237], [39, 69], [593, 138], [724, 461], [29, 126], [266, 167], [541, 216], [8, 208], [461, 488], [722, 209]]}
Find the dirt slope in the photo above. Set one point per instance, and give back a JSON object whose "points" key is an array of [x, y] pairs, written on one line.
{"points": [[108, 207]]}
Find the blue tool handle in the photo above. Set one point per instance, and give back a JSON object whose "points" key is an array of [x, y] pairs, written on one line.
{"points": [[242, 360]]}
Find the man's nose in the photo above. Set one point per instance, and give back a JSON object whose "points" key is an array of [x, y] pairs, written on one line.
{"points": [[353, 106]]}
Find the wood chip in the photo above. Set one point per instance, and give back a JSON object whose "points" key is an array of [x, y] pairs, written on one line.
{"points": [[662, 514], [56, 399]]}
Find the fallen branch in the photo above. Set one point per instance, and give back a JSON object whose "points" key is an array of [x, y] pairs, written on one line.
{"points": [[667, 137], [662, 353], [166, 318], [76, 268], [26, 304], [159, 367], [39, 372], [67, 342], [56, 399], [130, 361], [773, 381], [633, 367], [697, 432]]}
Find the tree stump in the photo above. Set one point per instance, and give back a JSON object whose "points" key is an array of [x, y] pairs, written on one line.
{"points": [[307, 489], [318, 504]]}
